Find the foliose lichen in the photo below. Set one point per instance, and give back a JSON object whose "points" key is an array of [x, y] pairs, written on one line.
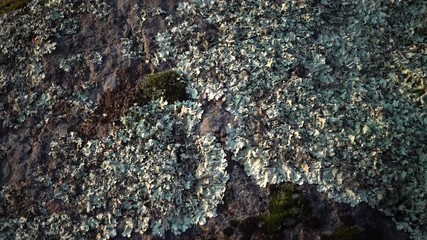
{"points": [[317, 93], [140, 176], [327, 93]]}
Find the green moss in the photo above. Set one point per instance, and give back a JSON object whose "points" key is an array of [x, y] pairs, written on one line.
{"points": [[344, 233], [273, 223], [7, 6], [287, 207], [164, 85]]}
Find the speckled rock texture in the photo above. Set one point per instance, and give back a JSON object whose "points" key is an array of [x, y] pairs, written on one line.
{"points": [[304, 92]]}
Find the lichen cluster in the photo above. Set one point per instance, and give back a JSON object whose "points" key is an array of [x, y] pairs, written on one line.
{"points": [[320, 92], [150, 173], [22, 72], [313, 94]]}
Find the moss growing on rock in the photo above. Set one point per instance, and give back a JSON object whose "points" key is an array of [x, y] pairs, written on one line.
{"points": [[7, 6], [287, 207], [164, 85]]}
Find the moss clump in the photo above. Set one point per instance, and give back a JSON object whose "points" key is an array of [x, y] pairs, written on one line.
{"points": [[7, 6], [344, 233], [287, 207], [164, 85]]}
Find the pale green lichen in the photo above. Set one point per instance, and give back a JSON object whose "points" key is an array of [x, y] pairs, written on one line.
{"points": [[23, 52], [319, 93], [315, 80], [139, 172]]}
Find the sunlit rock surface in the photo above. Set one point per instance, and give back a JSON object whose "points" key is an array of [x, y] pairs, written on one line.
{"points": [[327, 95]]}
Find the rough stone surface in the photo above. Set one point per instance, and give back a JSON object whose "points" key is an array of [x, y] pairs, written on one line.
{"points": [[110, 85]]}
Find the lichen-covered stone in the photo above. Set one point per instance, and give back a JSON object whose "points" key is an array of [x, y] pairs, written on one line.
{"points": [[329, 93], [314, 79]]}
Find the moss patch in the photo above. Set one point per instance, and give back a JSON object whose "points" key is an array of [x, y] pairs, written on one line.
{"points": [[164, 85], [287, 208], [7, 6]]}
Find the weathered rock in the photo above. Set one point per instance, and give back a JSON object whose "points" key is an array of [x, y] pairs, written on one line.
{"points": [[95, 68]]}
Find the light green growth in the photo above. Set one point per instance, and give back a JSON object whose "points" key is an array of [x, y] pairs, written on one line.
{"points": [[7, 6], [348, 123], [22, 53], [140, 167]]}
